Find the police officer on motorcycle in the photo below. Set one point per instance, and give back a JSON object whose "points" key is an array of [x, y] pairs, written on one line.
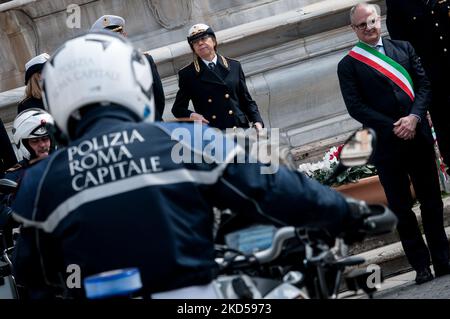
{"points": [[127, 192], [32, 139]]}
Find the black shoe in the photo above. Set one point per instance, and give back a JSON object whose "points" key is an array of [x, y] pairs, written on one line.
{"points": [[423, 276], [442, 270]]}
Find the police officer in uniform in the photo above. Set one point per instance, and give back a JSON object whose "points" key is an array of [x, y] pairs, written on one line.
{"points": [[115, 197], [33, 96], [426, 24], [215, 85], [117, 24], [34, 143]]}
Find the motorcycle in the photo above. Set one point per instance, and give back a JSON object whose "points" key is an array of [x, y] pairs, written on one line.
{"points": [[261, 261], [265, 262]]}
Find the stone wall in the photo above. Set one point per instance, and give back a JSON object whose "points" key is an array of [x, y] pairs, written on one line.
{"points": [[289, 51]]}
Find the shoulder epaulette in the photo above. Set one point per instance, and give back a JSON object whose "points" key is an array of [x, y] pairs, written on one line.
{"points": [[224, 61]]}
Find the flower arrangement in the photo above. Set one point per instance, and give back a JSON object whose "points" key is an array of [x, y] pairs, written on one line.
{"points": [[323, 169]]}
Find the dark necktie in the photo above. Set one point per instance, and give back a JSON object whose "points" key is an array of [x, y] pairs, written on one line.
{"points": [[211, 66]]}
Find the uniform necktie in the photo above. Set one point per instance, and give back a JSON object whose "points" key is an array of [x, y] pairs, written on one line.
{"points": [[211, 66]]}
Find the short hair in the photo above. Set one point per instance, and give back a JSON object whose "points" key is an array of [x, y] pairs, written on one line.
{"points": [[375, 7]]}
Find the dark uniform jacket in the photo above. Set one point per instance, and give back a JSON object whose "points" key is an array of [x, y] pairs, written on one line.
{"points": [[15, 174], [221, 96], [427, 27], [116, 198], [30, 102], [376, 102], [7, 155], [158, 91]]}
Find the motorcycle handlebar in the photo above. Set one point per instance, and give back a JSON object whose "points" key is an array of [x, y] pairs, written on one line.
{"points": [[378, 220], [271, 253]]}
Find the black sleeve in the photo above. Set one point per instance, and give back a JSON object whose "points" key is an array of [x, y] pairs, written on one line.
{"points": [[158, 91], [181, 104], [356, 107], [422, 86], [246, 102], [281, 198]]}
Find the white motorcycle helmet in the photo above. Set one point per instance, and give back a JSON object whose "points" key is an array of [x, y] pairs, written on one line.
{"points": [[30, 123], [97, 68]]}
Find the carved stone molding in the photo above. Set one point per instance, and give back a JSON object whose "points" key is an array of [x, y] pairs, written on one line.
{"points": [[171, 14]]}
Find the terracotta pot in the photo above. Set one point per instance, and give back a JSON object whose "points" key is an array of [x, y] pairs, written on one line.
{"points": [[368, 189]]}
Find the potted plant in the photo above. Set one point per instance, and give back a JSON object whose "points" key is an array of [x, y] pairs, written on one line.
{"points": [[360, 182]]}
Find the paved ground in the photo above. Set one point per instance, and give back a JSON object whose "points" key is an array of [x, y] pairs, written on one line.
{"points": [[404, 287]]}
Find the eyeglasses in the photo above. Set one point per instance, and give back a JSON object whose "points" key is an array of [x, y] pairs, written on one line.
{"points": [[202, 38], [363, 26]]}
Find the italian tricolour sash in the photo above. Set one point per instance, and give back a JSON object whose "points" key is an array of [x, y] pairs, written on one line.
{"points": [[385, 65]]}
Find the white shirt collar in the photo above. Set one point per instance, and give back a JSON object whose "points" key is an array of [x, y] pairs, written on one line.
{"points": [[213, 61], [380, 42]]}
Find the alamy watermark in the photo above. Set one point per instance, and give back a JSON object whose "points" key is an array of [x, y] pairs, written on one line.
{"points": [[374, 279], [238, 145], [74, 276], [73, 20]]}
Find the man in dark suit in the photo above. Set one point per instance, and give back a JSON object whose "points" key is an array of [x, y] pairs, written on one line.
{"points": [[117, 24], [385, 87], [215, 85], [426, 24]]}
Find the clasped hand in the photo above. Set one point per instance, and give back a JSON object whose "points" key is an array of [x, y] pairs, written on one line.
{"points": [[405, 127]]}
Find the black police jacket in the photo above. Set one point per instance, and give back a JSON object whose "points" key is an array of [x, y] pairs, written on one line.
{"points": [[221, 96], [158, 90], [30, 102], [141, 195], [427, 27]]}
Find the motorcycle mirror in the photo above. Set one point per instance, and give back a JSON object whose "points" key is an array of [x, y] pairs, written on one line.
{"points": [[358, 149], [7, 186]]}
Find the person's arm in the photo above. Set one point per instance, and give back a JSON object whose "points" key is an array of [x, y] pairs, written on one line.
{"points": [[405, 127], [283, 198], [356, 107], [27, 263], [279, 196], [246, 102], [181, 104], [158, 90], [422, 86]]}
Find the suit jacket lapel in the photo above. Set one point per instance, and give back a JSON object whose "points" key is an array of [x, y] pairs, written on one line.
{"points": [[388, 48]]}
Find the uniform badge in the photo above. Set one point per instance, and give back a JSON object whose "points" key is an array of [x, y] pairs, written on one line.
{"points": [[106, 22]]}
